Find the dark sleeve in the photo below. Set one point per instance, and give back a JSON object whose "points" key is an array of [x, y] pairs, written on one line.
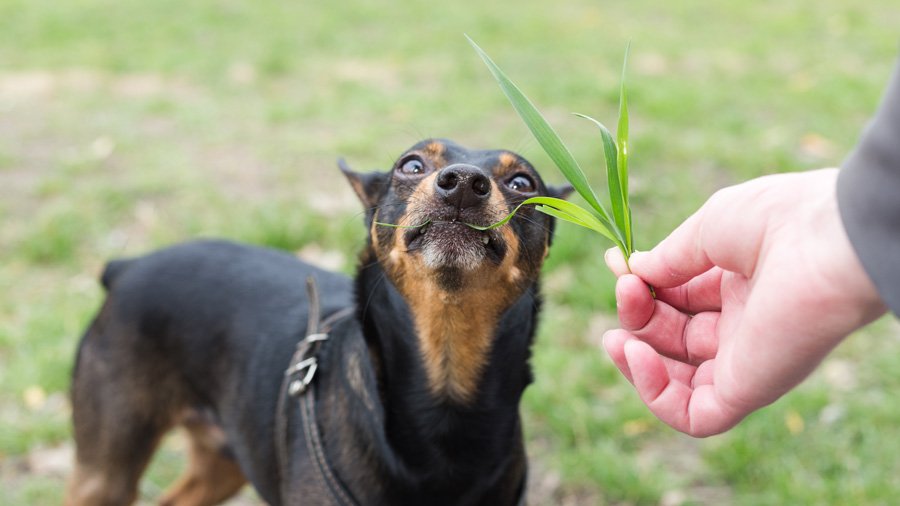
{"points": [[868, 191]]}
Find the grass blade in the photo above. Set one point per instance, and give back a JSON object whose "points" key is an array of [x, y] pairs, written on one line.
{"points": [[562, 215], [394, 225], [622, 158], [556, 213], [616, 197], [561, 209], [617, 226], [570, 208], [544, 133], [589, 219]]}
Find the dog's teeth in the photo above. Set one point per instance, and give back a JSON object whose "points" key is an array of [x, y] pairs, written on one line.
{"points": [[485, 240]]}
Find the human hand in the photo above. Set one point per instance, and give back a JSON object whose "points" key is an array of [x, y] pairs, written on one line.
{"points": [[753, 291]]}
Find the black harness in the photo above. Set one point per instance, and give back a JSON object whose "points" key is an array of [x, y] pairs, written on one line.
{"points": [[297, 384]]}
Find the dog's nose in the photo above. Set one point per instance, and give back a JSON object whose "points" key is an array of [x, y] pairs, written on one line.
{"points": [[463, 185]]}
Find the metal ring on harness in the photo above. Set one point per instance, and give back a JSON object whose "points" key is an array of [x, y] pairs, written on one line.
{"points": [[310, 365]]}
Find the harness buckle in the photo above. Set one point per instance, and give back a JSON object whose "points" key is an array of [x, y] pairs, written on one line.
{"points": [[310, 364]]}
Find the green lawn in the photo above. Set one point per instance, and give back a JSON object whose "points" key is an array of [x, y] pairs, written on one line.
{"points": [[129, 125]]}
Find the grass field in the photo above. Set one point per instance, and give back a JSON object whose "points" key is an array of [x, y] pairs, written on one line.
{"points": [[129, 125]]}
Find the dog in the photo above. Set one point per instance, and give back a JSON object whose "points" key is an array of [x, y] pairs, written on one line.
{"points": [[411, 397]]}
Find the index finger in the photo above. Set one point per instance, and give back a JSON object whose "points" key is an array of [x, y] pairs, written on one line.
{"points": [[698, 294], [669, 331], [686, 406], [727, 231], [675, 260]]}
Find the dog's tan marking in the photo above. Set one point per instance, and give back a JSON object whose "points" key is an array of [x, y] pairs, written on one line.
{"points": [[509, 269], [455, 338], [211, 476], [508, 160], [435, 150], [507, 163], [373, 232], [497, 204], [455, 328], [456, 334], [89, 486]]}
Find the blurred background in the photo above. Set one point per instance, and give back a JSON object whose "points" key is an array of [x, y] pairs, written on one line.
{"points": [[129, 125]]}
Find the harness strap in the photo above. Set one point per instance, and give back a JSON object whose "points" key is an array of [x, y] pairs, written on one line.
{"points": [[297, 379], [339, 494]]}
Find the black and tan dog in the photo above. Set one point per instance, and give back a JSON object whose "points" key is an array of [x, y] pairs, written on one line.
{"points": [[414, 397]]}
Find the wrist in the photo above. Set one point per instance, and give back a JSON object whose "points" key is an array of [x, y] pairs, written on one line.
{"points": [[845, 272]]}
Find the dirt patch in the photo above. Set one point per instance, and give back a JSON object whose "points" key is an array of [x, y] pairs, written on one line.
{"points": [[43, 84], [681, 456], [54, 464], [379, 74]]}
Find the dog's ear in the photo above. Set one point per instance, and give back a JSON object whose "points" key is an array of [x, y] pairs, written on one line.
{"points": [[369, 187], [560, 191]]}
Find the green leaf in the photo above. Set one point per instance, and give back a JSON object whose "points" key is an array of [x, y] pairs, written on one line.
{"points": [[617, 228], [590, 220], [544, 133], [622, 160], [394, 225], [599, 228], [500, 223], [616, 197], [552, 206], [556, 213], [560, 209]]}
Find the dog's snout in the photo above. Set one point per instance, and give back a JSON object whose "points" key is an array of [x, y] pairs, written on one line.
{"points": [[463, 185]]}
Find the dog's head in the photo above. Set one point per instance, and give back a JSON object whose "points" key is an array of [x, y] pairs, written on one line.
{"points": [[457, 280], [419, 215]]}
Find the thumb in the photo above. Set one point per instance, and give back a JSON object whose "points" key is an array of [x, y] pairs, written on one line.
{"points": [[727, 231], [675, 260], [616, 262]]}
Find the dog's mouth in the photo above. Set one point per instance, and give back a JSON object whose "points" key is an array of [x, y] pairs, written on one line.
{"points": [[455, 244]]}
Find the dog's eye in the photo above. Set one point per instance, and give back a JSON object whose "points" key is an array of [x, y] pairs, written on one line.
{"points": [[412, 167], [522, 184]]}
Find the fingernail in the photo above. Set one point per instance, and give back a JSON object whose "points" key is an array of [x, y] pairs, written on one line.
{"points": [[607, 253], [603, 338]]}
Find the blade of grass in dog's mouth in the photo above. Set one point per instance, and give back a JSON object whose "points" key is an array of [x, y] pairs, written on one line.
{"points": [[395, 225], [429, 222], [549, 205]]}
